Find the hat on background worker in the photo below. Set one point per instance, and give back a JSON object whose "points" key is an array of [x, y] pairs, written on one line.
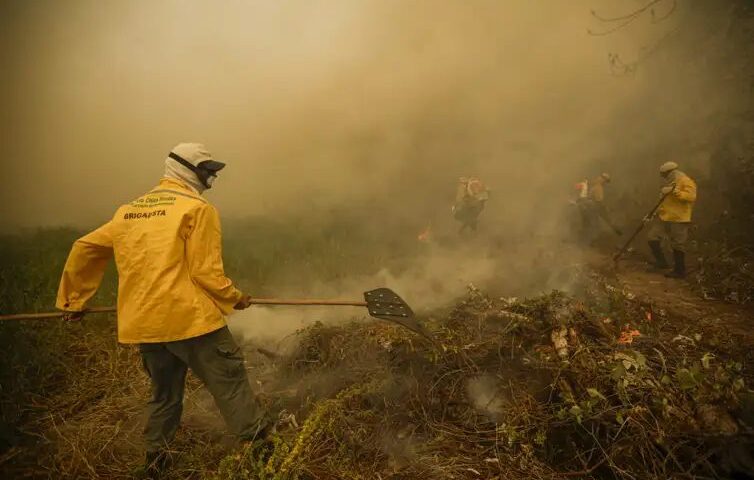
{"points": [[668, 167], [193, 164]]}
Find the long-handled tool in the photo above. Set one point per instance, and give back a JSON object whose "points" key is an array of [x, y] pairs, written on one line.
{"points": [[381, 303], [651, 214]]}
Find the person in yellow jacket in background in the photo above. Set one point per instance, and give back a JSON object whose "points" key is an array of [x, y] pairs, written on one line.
{"points": [[173, 297], [591, 204], [471, 195], [673, 219]]}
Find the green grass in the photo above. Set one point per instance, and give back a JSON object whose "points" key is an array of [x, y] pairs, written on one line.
{"points": [[264, 254]]}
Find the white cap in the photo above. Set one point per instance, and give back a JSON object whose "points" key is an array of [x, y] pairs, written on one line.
{"points": [[196, 153], [668, 167]]}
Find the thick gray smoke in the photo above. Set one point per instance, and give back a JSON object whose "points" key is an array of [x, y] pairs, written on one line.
{"points": [[315, 104]]}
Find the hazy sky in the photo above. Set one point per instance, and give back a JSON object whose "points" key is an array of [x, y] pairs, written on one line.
{"points": [[311, 103]]}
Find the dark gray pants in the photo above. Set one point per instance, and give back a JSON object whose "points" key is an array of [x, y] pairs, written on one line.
{"points": [[677, 233], [217, 361], [468, 215]]}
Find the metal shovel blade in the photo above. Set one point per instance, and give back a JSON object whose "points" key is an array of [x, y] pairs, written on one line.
{"points": [[385, 304]]}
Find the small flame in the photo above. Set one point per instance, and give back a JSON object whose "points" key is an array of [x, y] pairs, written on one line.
{"points": [[627, 335]]}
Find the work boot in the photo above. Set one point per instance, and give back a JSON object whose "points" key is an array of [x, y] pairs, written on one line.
{"points": [[157, 464], [679, 269], [660, 262]]}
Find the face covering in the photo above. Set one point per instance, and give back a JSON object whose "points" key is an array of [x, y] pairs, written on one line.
{"points": [[175, 170]]}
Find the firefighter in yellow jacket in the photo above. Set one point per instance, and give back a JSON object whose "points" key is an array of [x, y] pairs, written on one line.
{"points": [[673, 219], [471, 195], [173, 297], [591, 204]]}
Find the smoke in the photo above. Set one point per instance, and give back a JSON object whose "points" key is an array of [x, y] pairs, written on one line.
{"points": [[427, 281], [375, 107], [312, 104], [271, 326], [487, 396]]}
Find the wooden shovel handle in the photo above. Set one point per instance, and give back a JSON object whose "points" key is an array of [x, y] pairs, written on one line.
{"points": [[284, 301], [48, 315], [638, 230], [254, 301]]}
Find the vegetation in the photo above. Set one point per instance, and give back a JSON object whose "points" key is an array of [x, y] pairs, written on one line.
{"points": [[554, 386], [499, 397], [70, 394]]}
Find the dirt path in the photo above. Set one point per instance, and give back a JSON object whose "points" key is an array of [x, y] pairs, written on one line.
{"points": [[731, 324]]}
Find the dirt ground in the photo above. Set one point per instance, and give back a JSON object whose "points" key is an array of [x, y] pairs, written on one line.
{"points": [[680, 300]]}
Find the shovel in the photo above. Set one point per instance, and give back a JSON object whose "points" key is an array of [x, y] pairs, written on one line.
{"points": [[381, 303]]}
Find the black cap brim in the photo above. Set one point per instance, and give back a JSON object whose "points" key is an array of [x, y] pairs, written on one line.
{"points": [[212, 165]]}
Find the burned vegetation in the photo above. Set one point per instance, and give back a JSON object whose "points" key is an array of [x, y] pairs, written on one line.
{"points": [[598, 385]]}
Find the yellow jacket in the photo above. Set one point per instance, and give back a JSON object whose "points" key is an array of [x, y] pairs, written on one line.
{"points": [[471, 191], [597, 189], [167, 248], [677, 206]]}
